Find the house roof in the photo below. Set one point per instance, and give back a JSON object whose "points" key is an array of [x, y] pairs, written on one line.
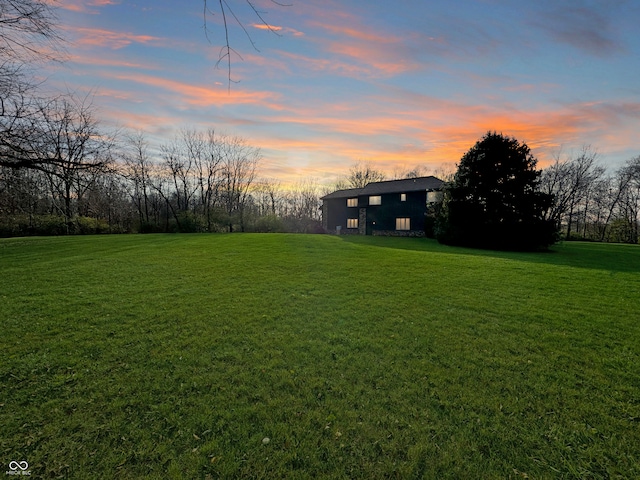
{"points": [[390, 186], [348, 193], [404, 185]]}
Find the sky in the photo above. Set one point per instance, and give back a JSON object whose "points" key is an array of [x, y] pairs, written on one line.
{"points": [[401, 85]]}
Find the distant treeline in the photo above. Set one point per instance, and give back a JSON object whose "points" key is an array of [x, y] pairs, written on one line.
{"points": [[198, 182], [205, 182], [592, 203]]}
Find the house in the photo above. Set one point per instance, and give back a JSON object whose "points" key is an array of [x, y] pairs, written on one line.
{"points": [[395, 207]]}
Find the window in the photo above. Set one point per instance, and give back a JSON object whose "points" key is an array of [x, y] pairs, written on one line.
{"points": [[434, 197], [352, 223], [375, 200], [403, 224], [403, 197], [352, 202]]}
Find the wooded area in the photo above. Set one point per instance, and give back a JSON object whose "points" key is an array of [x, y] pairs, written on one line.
{"points": [[62, 171], [591, 202]]}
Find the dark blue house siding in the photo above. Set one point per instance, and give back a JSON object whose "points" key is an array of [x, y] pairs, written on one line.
{"points": [[335, 213], [380, 219]]}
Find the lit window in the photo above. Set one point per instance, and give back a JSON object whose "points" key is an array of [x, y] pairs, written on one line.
{"points": [[375, 200], [352, 223], [403, 197], [434, 197], [403, 224], [352, 202]]}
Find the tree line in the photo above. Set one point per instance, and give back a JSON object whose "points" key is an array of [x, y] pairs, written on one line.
{"points": [[73, 176], [63, 172], [591, 202], [200, 181], [499, 199]]}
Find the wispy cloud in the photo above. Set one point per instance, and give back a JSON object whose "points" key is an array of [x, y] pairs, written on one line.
{"points": [[83, 6], [104, 61], [375, 53], [414, 129], [202, 96], [583, 26], [278, 29], [414, 87], [97, 37]]}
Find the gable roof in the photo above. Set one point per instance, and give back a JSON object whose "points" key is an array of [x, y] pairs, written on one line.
{"points": [[402, 186], [348, 193], [390, 186]]}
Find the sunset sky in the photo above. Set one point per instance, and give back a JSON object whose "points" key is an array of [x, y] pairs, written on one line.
{"points": [[399, 84]]}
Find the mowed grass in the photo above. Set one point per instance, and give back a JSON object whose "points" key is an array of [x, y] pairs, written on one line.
{"points": [[177, 356]]}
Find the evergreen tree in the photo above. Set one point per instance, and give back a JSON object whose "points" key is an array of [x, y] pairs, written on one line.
{"points": [[494, 200]]}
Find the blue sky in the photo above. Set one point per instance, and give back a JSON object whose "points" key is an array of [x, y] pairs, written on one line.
{"points": [[399, 84]]}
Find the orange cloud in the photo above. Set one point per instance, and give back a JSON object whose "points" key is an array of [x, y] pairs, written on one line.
{"points": [[431, 132], [262, 26], [275, 28], [202, 96]]}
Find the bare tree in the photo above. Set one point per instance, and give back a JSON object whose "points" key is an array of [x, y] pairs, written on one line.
{"points": [[304, 200], [404, 172], [28, 31], [629, 199], [229, 11], [239, 167], [445, 172], [571, 183], [360, 174], [181, 167], [137, 171], [72, 146], [204, 180], [22, 191], [28, 37], [205, 149], [174, 180], [268, 196]]}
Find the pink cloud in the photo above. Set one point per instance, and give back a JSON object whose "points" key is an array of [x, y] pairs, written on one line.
{"points": [[429, 131], [201, 96], [83, 6], [108, 62], [378, 54], [96, 37]]}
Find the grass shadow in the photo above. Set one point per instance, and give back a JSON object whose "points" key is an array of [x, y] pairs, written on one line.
{"points": [[611, 257]]}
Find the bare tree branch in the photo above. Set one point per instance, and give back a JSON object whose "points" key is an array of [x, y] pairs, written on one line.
{"points": [[226, 11], [28, 31]]}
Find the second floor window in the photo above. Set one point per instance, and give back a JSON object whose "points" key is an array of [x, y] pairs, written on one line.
{"points": [[375, 200], [352, 202]]}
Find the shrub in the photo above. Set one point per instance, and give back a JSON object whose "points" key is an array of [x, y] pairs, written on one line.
{"points": [[269, 224], [89, 226]]}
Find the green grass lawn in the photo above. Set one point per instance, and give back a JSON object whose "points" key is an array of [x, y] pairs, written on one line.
{"points": [[177, 356]]}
